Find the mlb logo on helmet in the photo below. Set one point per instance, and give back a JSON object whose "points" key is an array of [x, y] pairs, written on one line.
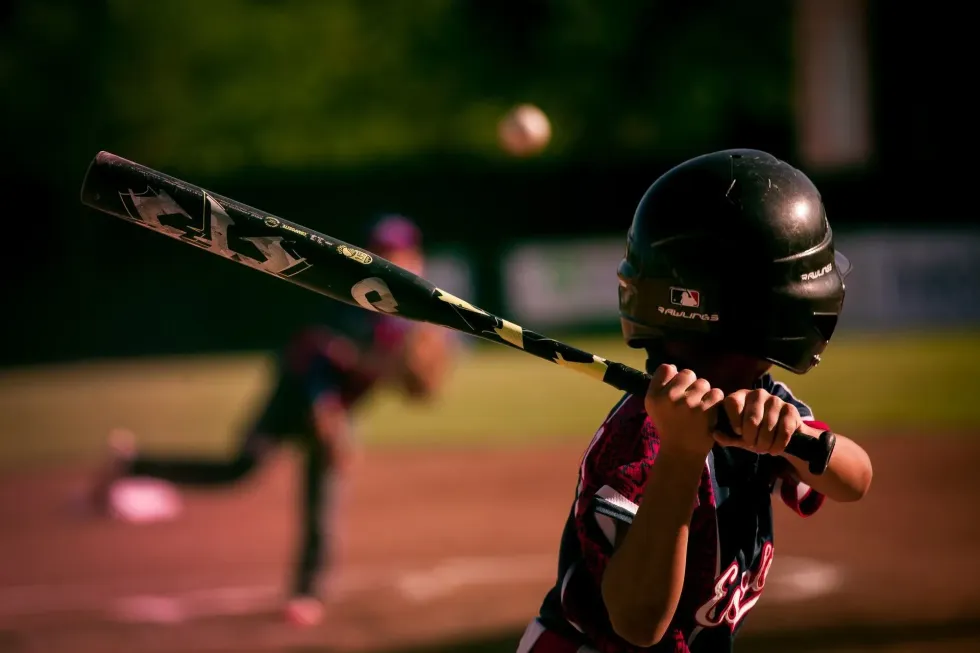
{"points": [[685, 297]]}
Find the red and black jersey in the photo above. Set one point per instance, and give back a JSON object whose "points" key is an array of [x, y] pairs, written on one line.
{"points": [[730, 545]]}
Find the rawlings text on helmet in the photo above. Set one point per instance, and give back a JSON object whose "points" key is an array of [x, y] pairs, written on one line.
{"points": [[712, 317], [816, 274]]}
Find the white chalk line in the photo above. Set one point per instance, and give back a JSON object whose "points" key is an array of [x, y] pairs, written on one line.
{"points": [[791, 579], [452, 574], [795, 579]]}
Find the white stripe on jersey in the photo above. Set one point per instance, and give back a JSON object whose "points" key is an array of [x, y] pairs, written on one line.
{"points": [[613, 498], [611, 505]]}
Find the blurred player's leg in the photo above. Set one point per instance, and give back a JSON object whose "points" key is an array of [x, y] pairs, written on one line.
{"points": [[317, 503], [116, 482], [328, 457], [316, 534], [190, 471], [283, 414]]}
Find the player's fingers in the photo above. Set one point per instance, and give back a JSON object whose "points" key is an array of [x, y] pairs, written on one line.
{"points": [[696, 392], [752, 414], [713, 397], [677, 387], [789, 423], [728, 440], [770, 422], [711, 404], [660, 377]]}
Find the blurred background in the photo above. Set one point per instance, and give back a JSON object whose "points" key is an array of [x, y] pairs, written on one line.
{"points": [[327, 113]]}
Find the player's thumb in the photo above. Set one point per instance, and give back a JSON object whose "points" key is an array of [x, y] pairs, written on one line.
{"points": [[726, 439]]}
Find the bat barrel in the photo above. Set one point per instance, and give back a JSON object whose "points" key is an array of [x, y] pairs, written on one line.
{"points": [[256, 239]]}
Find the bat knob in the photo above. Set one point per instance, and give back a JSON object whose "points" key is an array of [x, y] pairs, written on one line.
{"points": [[824, 449]]}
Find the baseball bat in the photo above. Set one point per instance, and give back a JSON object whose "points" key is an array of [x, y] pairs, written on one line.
{"points": [[341, 271]]}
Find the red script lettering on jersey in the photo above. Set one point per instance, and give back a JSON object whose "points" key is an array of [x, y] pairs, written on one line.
{"points": [[743, 596]]}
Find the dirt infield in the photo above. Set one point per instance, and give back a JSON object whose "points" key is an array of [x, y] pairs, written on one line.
{"points": [[449, 546]]}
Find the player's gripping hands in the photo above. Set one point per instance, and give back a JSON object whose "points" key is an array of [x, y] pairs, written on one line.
{"points": [[685, 409], [762, 422]]}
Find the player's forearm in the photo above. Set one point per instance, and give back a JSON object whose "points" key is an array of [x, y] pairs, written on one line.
{"points": [[848, 476], [643, 580]]}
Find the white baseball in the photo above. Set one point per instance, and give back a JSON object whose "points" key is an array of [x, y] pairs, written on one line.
{"points": [[525, 130]]}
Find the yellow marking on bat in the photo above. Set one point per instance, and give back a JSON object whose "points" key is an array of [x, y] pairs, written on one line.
{"points": [[512, 333], [289, 227], [596, 369], [456, 301], [355, 254]]}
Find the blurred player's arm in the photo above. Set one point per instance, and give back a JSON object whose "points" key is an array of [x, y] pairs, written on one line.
{"points": [[847, 477], [428, 356]]}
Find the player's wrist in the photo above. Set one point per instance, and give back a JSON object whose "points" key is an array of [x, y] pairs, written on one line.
{"points": [[683, 452]]}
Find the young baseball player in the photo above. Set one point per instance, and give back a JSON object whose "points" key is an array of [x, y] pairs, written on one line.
{"points": [[730, 268], [324, 372]]}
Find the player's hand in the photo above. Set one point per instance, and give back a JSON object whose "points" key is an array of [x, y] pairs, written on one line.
{"points": [[683, 409], [762, 422]]}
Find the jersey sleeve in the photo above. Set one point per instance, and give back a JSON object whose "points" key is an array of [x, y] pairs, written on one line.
{"points": [[797, 495], [614, 473], [611, 480]]}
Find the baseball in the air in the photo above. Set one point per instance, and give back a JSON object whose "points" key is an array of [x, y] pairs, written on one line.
{"points": [[524, 131]]}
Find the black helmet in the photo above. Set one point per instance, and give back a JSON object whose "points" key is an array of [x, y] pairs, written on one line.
{"points": [[734, 247]]}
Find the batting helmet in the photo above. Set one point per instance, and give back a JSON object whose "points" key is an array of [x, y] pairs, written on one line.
{"points": [[734, 247]]}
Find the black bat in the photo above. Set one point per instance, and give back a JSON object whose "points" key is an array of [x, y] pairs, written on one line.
{"points": [[341, 271]]}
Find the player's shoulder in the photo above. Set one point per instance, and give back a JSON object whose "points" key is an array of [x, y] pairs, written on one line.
{"points": [[626, 436]]}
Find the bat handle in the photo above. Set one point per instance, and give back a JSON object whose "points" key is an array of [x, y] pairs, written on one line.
{"points": [[815, 451]]}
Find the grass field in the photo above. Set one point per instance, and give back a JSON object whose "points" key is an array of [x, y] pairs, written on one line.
{"points": [[867, 383]]}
